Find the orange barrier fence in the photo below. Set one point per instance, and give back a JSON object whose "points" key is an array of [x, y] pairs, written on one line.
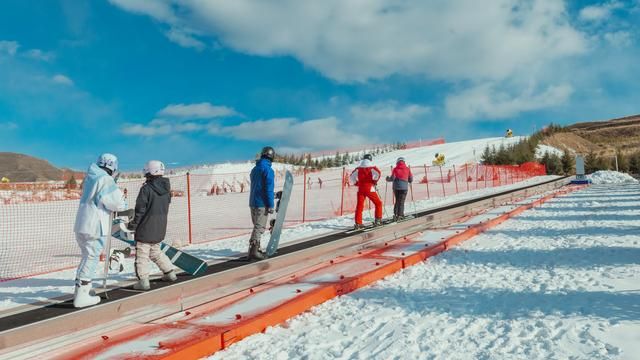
{"points": [[36, 231]]}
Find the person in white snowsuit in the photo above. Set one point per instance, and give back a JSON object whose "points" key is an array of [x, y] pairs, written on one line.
{"points": [[100, 197]]}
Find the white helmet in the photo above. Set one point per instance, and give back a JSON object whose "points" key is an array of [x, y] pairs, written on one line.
{"points": [[108, 161], [153, 167], [400, 159]]}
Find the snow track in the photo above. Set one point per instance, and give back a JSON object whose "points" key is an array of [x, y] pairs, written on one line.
{"points": [[557, 282]]}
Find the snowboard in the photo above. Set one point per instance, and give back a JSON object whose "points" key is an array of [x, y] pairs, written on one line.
{"points": [[189, 263], [281, 212]]}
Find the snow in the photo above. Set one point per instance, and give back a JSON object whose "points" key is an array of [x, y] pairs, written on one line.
{"points": [[542, 149], [611, 177], [59, 284], [456, 153], [559, 281]]}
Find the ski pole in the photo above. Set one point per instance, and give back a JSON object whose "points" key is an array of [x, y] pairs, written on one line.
{"points": [[383, 208], [415, 211]]}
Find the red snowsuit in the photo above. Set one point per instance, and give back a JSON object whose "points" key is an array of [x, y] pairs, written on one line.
{"points": [[366, 176]]}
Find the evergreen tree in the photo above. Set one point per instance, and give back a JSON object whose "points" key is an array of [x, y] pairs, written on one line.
{"points": [[567, 162], [71, 183], [487, 157]]}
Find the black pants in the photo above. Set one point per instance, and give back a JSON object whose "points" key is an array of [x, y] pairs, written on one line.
{"points": [[401, 196]]}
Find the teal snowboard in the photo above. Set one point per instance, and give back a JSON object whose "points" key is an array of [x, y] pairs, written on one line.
{"points": [[189, 263], [281, 212]]}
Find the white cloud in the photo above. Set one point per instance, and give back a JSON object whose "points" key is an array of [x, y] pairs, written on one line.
{"points": [[159, 127], [38, 54], [388, 111], [618, 38], [61, 79], [203, 110], [293, 133], [361, 40], [598, 13], [9, 47], [484, 101], [184, 39]]}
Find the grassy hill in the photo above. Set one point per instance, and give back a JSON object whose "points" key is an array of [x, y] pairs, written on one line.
{"points": [[25, 168]]}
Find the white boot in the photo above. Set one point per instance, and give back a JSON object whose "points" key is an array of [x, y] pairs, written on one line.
{"points": [[142, 284], [83, 297], [170, 276]]}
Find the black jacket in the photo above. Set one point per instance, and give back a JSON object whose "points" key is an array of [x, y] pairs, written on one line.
{"points": [[152, 208]]}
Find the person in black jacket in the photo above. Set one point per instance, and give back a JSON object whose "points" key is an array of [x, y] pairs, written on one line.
{"points": [[150, 225]]}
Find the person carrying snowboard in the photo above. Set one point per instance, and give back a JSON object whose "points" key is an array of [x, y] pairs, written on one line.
{"points": [[150, 225], [366, 176], [100, 197], [261, 200], [401, 177]]}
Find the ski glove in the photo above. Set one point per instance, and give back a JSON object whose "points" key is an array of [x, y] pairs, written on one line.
{"points": [[131, 226]]}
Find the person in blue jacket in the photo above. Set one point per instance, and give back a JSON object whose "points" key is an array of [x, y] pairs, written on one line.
{"points": [[261, 200]]}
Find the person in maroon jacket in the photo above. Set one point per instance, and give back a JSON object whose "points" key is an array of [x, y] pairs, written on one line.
{"points": [[366, 176], [401, 177]]}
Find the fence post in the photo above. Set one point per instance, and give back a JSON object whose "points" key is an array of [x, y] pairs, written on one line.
{"points": [[342, 181], [426, 180], [477, 174], [455, 177], [444, 193], [304, 196], [466, 175], [189, 206], [485, 176]]}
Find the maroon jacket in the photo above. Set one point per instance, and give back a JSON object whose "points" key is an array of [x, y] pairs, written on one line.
{"points": [[401, 176]]}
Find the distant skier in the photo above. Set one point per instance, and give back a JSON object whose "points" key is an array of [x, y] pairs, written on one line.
{"points": [[366, 176], [100, 197], [150, 225], [261, 200], [401, 177], [320, 183]]}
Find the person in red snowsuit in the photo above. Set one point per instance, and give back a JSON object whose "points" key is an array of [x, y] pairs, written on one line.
{"points": [[366, 176]]}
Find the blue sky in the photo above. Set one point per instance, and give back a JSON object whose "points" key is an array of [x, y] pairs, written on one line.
{"points": [[196, 81]]}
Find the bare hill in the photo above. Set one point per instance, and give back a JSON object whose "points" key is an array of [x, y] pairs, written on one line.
{"points": [[25, 168], [600, 137]]}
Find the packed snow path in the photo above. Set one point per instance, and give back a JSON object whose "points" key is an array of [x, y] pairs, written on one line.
{"points": [[560, 281]]}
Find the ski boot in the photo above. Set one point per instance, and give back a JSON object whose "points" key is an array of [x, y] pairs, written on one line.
{"points": [[82, 297], [256, 254], [377, 222], [170, 276], [358, 227], [142, 284]]}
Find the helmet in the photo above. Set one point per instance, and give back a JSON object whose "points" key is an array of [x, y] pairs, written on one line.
{"points": [[153, 167], [437, 154], [268, 152], [400, 159], [368, 157], [108, 161]]}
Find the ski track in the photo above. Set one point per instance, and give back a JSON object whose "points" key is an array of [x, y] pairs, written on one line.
{"points": [[557, 282]]}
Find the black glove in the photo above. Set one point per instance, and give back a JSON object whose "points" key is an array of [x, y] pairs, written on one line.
{"points": [[389, 178], [131, 226]]}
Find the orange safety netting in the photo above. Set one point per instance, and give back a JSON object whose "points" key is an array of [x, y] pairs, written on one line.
{"points": [[36, 231]]}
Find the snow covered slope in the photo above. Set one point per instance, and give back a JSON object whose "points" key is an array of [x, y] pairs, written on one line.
{"points": [[558, 282], [456, 153]]}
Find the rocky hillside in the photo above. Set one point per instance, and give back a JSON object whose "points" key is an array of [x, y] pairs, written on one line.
{"points": [[24, 168], [600, 137]]}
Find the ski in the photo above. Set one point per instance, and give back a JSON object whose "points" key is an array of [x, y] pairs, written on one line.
{"points": [[385, 222], [189, 263], [281, 212]]}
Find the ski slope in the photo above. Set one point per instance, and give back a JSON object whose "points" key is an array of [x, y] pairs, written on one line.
{"points": [[457, 153], [558, 282]]}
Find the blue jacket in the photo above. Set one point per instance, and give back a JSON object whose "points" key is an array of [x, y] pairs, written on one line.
{"points": [[262, 178]]}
